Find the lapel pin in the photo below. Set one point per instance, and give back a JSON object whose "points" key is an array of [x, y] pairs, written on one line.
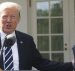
{"points": [[21, 42]]}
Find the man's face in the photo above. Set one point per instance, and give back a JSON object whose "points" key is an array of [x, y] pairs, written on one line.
{"points": [[9, 19]]}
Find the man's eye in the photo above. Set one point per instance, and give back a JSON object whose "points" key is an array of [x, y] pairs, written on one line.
{"points": [[13, 17], [4, 17]]}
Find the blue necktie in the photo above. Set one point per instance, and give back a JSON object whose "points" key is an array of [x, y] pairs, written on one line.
{"points": [[8, 63], [8, 57]]}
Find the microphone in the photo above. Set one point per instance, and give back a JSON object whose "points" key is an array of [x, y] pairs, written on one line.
{"points": [[9, 41]]}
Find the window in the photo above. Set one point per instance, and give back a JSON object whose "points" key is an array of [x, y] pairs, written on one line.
{"points": [[49, 14]]}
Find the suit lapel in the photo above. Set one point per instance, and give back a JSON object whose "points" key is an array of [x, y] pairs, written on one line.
{"points": [[20, 49], [24, 51]]}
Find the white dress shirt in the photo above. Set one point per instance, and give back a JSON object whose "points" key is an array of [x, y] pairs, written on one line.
{"points": [[14, 50]]}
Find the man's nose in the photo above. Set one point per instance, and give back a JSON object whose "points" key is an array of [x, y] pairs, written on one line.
{"points": [[9, 19]]}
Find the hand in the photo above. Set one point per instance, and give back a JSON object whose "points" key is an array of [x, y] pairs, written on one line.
{"points": [[73, 63], [1, 69]]}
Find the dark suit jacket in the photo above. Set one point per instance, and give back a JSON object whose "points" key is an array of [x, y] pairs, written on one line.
{"points": [[29, 56]]}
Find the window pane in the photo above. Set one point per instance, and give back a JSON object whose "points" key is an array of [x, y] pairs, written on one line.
{"points": [[43, 43], [57, 43], [42, 8], [42, 26], [56, 25], [58, 57], [56, 8], [45, 55]]}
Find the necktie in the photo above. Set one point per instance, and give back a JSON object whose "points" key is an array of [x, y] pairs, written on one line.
{"points": [[8, 58], [8, 63]]}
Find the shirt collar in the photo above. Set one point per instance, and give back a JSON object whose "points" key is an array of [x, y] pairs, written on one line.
{"points": [[3, 35]]}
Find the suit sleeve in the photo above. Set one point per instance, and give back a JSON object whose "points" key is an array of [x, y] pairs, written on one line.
{"points": [[46, 65]]}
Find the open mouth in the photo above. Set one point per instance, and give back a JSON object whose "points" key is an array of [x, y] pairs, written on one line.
{"points": [[8, 27]]}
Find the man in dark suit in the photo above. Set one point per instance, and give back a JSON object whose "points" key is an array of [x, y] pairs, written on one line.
{"points": [[24, 52]]}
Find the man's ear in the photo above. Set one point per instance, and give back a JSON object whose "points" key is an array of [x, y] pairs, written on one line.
{"points": [[19, 17]]}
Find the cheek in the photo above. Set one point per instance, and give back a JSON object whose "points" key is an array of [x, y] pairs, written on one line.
{"points": [[14, 25], [16, 22], [1, 23]]}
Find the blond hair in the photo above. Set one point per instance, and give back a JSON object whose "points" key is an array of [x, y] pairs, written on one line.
{"points": [[5, 5]]}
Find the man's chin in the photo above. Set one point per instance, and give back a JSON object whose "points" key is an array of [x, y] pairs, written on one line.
{"points": [[7, 31]]}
